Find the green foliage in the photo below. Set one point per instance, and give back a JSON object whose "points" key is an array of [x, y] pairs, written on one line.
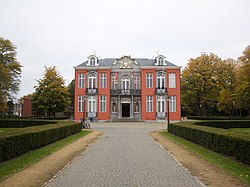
{"points": [[51, 95], [10, 72], [222, 141], [21, 123], [14, 145], [218, 118], [71, 90]]}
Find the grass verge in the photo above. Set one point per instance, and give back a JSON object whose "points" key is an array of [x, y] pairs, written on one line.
{"points": [[11, 166], [232, 167]]}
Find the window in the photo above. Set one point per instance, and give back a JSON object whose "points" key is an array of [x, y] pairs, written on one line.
{"points": [[80, 80], [160, 61], [102, 103], [160, 80], [149, 104], [92, 61], [172, 103], [136, 106], [125, 83], [103, 80], [149, 80], [92, 104], [172, 83], [80, 103], [114, 82], [92, 80], [137, 82], [161, 103], [114, 107]]}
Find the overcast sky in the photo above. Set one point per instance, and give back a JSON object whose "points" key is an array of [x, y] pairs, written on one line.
{"points": [[64, 33]]}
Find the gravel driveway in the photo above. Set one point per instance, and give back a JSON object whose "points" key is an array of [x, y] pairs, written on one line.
{"points": [[125, 155]]}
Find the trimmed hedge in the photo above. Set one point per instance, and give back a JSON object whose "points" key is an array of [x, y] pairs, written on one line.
{"points": [[20, 123], [217, 140], [227, 124], [218, 118], [12, 146]]}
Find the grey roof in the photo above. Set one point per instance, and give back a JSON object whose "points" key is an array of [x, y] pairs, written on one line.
{"points": [[142, 61]]}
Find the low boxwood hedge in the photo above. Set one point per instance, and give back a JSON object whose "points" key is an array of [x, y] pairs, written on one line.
{"points": [[20, 123], [225, 124], [218, 118], [15, 145], [218, 140]]}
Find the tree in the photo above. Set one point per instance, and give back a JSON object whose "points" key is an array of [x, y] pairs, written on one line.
{"points": [[243, 82], [10, 73], [51, 95], [71, 90], [201, 83]]}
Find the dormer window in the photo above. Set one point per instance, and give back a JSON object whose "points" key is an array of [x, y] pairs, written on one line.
{"points": [[92, 61], [160, 61]]}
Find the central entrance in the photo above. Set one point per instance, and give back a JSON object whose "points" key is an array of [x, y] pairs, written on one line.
{"points": [[125, 109]]}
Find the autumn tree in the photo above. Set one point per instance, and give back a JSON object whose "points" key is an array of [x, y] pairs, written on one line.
{"points": [[243, 81], [200, 83], [51, 95], [10, 72]]}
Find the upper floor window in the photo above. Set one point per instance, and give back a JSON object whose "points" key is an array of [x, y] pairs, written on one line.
{"points": [[160, 61], [160, 81], [114, 82], [137, 82], [125, 83], [92, 61], [92, 80], [103, 80], [149, 80], [172, 81], [81, 80], [172, 103]]}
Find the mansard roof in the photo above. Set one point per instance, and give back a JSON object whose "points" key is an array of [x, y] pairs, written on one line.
{"points": [[107, 62]]}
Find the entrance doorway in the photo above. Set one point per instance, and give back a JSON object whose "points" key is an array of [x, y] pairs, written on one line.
{"points": [[125, 110]]}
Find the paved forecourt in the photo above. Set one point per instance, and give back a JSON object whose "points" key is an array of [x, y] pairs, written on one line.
{"points": [[125, 155]]}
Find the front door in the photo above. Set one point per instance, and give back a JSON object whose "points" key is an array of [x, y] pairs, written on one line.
{"points": [[125, 110]]}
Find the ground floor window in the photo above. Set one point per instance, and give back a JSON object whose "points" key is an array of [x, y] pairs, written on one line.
{"points": [[136, 106], [80, 103], [92, 104], [102, 103], [172, 103], [149, 103], [161, 103]]}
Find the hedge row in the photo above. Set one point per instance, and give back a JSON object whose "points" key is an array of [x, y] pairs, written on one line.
{"points": [[218, 118], [221, 142], [12, 146], [225, 124], [20, 123]]}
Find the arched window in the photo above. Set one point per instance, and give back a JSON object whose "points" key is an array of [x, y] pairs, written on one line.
{"points": [[160, 80], [92, 80], [125, 82], [160, 61], [92, 61]]}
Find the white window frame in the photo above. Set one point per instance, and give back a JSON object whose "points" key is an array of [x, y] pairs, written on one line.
{"points": [[137, 82], [103, 80], [149, 80], [103, 104], [172, 80], [91, 104], [92, 61], [80, 103], [160, 61], [161, 79], [161, 104], [125, 82], [149, 103], [137, 109], [81, 80], [114, 82], [92, 80], [172, 103]]}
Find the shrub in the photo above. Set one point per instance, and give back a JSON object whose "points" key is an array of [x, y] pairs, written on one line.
{"points": [[15, 145], [225, 124], [20, 123], [218, 118], [230, 144]]}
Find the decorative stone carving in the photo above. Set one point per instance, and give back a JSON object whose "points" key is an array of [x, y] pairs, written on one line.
{"points": [[125, 100]]}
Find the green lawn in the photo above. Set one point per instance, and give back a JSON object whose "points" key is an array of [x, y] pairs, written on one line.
{"points": [[11, 166], [232, 167]]}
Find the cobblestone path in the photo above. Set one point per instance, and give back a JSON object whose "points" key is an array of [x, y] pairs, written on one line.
{"points": [[125, 155]]}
